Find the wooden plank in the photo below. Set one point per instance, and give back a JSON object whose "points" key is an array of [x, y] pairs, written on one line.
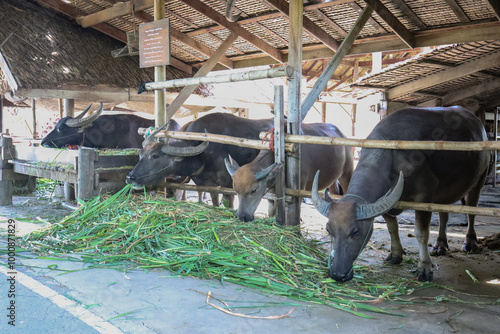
{"points": [[9, 174], [4, 66], [44, 154], [446, 75], [329, 22], [320, 85], [396, 26], [86, 174], [53, 173]]}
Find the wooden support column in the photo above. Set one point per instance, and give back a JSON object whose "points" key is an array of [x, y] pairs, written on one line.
{"points": [[279, 153], [1, 113], [323, 112], [160, 73], [6, 184], [353, 118], [33, 109], [294, 115], [86, 173], [68, 110]]}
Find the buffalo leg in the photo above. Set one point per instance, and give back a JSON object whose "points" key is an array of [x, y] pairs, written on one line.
{"points": [[422, 223], [228, 201], [396, 255], [441, 245], [215, 198], [471, 199]]}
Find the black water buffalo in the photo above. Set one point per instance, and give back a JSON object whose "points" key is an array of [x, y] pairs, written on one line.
{"points": [[99, 131], [252, 181], [202, 161], [383, 177]]}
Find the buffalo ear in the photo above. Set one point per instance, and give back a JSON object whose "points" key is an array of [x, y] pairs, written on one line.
{"points": [[271, 177], [327, 196]]}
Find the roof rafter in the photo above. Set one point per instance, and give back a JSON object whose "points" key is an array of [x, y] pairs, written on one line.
{"points": [[398, 28], [309, 25], [458, 11], [495, 5], [446, 75], [235, 27]]}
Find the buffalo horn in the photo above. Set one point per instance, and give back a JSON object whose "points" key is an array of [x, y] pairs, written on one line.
{"points": [[229, 11], [188, 151], [80, 121], [320, 204], [383, 204], [231, 165], [154, 133], [260, 175]]}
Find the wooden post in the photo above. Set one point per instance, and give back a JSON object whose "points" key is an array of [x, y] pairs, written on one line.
{"points": [[279, 153], [68, 110], [6, 185], [160, 73], [86, 173], [353, 118], [495, 153], [33, 109], [1, 113], [323, 112], [294, 115]]}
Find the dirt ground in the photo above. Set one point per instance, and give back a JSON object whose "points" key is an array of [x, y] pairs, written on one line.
{"points": [[454, 270]]}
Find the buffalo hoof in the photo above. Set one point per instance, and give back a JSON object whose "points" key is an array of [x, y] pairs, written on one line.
{"points": [[424, 275], [393, 259], [469, 248], [438, 250]]}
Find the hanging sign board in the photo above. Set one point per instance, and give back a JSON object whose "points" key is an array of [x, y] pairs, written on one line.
{"points": [[154, 43]]}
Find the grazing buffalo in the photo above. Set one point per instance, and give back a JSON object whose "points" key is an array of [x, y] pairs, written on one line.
{"points": [[252, 181], [202, 161], [99, 131], [383, 177]]}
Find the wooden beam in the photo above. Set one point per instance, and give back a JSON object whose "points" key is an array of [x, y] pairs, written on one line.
{"points": [[445, 75], [116, 11], [396, 26], [235, 27], [203, 71], [371, 20], [495, 5], [410, 14], [484, 87], [458, 11], [309, 25], [329, 22], [160, 73]]}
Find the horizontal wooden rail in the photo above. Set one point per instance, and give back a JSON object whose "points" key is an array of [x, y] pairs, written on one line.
{"points": [[394, 144], [403, 205], [222, 139]]}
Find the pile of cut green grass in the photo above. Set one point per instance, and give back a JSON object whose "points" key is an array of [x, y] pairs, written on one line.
{"points": [[194, 239]]}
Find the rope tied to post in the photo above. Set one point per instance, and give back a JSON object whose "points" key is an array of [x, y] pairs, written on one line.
{"points": [[271, 138]]}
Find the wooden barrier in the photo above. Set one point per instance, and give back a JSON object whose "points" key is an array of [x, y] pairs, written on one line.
{"points": [[91, 171]]}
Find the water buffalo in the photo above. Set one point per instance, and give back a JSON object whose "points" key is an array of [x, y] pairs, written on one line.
{"points": [[202, 161], [382, 177], [252, 181], [99, 131]]}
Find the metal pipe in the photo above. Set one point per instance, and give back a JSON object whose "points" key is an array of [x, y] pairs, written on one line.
{"points": [[234, 77]]}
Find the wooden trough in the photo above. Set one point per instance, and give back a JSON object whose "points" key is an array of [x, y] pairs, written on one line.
{"points": [[91, 171]]}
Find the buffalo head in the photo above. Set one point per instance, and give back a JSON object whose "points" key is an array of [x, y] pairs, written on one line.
{"points": [[350, 223], [69, 130], [159, 160], [251, 183]]}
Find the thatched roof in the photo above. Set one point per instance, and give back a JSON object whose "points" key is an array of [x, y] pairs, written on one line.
{"points": [[448, 73], [44, 50]]}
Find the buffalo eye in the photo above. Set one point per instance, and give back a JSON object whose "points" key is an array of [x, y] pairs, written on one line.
{"points": [[355, 232], [155, 156], [253, 190]]}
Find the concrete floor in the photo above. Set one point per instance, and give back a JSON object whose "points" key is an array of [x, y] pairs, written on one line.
{"points": [[51, 300]]}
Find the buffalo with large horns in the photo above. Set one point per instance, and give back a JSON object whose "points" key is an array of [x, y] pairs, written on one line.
{"points": [[383, 177]]}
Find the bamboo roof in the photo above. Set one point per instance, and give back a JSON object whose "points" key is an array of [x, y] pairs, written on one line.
{"points": [[445, 75]]}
